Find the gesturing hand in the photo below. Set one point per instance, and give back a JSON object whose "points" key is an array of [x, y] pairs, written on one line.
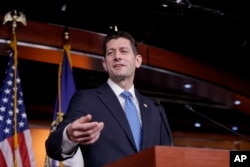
{"points": [[83, 131]]}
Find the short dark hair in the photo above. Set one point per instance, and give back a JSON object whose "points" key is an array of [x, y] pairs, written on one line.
{"points": [[120, 34]]}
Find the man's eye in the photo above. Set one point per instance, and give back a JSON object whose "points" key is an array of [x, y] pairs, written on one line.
{"points": [[109, 53], [124, 51]]}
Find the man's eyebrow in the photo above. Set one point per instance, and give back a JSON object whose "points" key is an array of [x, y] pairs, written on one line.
{"points": [[110, 49], [124, 47]]}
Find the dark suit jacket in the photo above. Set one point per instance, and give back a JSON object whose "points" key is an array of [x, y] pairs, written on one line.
{"points": [[116, 139]]}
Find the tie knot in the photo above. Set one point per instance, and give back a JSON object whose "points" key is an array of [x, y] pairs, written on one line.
{"points": [[126, 94]]}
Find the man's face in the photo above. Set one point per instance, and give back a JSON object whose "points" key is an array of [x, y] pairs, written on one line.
{"points": [[120, 61]]}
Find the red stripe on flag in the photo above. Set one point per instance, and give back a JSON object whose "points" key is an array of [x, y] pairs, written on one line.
{"points": [[23, 150], [2, 160]]}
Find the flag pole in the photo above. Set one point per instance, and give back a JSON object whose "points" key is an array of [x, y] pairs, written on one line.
{"points": [[66, 49], [59, 112], [15, 18]]}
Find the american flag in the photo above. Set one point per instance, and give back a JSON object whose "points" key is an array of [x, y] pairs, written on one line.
{"points": [[15, 138]]}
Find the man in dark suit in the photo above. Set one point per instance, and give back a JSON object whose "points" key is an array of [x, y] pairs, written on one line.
{"points": [[96, 120]]}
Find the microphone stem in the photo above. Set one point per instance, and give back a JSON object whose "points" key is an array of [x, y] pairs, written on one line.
{"points": [[217, 123], [165, 123]]}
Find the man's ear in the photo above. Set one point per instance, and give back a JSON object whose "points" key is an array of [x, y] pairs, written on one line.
{"points": [[104, 64], [138, 61]]}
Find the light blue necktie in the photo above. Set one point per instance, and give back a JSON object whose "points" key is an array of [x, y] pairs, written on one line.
{"points": [[133, 118]]}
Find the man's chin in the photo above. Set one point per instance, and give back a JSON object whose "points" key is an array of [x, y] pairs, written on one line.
{"points": [[119, 77]]}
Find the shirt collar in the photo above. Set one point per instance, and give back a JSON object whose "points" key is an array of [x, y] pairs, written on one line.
{"points": [[118, 90]]}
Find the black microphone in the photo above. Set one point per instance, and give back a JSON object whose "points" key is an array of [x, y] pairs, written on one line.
{"points": [[157, 102], [190, 108]]}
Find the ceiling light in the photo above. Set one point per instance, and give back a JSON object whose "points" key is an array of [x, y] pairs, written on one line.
{"points": [[164, 5], [64, 6], [187, 86], [234, 128], [197, 125], [237, 102]]}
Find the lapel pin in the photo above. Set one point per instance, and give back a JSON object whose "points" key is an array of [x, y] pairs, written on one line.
{"points": [[145, 105]]}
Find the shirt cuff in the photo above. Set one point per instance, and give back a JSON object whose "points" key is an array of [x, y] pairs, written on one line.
{"points": [[68, 147]]}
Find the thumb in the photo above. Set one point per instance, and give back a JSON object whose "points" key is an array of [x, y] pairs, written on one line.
{"points": [[85, 119]]}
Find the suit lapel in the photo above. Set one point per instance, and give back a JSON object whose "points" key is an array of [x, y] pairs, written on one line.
{"points": [[145, 117]]}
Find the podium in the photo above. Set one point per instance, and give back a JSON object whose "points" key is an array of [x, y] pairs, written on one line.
{"points": [[172, 156]]}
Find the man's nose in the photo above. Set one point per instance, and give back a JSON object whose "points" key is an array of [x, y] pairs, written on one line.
{"points": [[117, 55]]}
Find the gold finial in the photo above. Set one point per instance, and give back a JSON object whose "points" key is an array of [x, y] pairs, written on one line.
{"points": [[14, 17], [116, 28], [66, 34]]}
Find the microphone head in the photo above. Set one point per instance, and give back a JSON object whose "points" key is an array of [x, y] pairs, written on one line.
{"points": [[157, 102]]}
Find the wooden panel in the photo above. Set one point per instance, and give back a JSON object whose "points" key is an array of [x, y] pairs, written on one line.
{"points": [[143, 49], [90, 42], [39, 135], [184, 65], [53, 35]]}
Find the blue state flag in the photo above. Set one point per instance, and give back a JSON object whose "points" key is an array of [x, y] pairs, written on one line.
{"points": [[66, 89]]}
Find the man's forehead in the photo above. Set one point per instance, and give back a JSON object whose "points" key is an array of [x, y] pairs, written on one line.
{"points": [[118, 43]]}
